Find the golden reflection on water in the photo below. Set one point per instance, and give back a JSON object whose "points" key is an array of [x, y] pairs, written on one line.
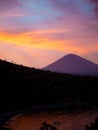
{"points": [[61, 120]]}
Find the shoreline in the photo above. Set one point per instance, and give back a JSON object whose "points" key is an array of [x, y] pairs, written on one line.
{"points": [[68, 108]]}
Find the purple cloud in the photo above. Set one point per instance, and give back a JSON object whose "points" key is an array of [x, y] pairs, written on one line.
{"points": [[95, 3], [66, 6], [74, 7], [8, 4], [80, 14]]}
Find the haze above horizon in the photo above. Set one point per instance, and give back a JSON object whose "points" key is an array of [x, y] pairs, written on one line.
{"points": [[38, 32]]}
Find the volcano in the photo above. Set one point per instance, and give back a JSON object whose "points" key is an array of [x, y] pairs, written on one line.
{"points": [[73, 64]]}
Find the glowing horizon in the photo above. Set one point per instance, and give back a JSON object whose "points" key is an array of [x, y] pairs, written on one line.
{"points": [[36, 33]]}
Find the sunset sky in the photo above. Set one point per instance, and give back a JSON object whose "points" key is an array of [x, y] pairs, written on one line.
{"points": [[37, 32]]}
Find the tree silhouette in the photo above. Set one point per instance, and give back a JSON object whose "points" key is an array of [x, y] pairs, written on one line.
{"points": [[93, 125], [46, 126]]}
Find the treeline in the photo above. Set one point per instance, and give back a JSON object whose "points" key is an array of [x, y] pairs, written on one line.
{"points": [[22, 87]]}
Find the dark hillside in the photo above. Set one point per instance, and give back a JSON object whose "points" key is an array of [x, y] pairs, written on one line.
{"points": [[22, 87]]}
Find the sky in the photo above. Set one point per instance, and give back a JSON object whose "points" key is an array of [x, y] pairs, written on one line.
{"points": [[36, 33]]}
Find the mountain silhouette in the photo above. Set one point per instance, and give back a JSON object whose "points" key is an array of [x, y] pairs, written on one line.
{"points": [[73, 64]]}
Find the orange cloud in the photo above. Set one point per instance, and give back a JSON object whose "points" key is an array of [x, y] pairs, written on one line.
{"points": [[34, 39], [20, 39], [42, 39]]}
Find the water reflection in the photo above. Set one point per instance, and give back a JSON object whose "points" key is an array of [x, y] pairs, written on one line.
{"points": [[59, 120]]}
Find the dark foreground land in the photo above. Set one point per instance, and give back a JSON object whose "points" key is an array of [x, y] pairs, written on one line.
{"points": [[23, 87]]}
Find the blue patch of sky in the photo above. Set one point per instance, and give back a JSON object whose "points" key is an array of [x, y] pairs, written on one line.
{"points": [[40, 10], [40, 13]]}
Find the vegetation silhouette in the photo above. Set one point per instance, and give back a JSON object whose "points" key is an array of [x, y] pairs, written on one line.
{"points": [[3, 128], [46, 126], [23, 87], [93, 125]]}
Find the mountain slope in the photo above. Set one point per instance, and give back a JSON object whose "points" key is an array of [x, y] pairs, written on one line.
{"points": [[73, 64], [24, 87]]}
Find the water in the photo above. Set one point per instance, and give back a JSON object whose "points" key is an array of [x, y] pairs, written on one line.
{"points": [[61, 120]]}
